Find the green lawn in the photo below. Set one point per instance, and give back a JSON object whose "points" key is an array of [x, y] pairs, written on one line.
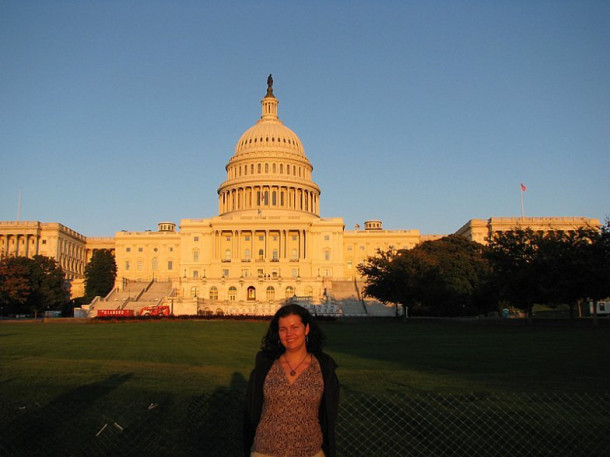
{"points": [[156, 387], [184, 358]]}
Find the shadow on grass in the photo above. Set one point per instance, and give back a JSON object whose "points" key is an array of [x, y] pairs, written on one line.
{"points": [[57, 428], [214, 422]]}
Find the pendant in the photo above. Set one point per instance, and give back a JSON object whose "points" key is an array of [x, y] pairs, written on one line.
{"points": [[293, 373]]}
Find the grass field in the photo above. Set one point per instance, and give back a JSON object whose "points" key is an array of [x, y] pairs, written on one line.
{"points": [[59, 378], [39, 361]]}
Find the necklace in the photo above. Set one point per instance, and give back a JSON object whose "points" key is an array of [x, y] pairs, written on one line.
{"points": [[293, 371]]}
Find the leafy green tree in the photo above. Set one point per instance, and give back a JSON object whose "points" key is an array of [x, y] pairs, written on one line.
{"points": [[32, 285], [515, 267], [550, 268], [456, 277], [393, 277], [444, 277], [100, 274], [14, 285], [596, 257]]}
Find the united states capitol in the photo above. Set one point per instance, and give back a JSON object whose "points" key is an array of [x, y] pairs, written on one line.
{"points": [[268, 243]]}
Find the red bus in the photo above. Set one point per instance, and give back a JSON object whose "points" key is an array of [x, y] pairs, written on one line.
{"points": [[115, 313]]}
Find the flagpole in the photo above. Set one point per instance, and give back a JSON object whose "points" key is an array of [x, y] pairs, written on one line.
{"points": [[523, 188], [522, 210]]}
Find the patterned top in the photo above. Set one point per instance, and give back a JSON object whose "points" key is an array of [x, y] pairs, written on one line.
{"points": [[289, 425]]}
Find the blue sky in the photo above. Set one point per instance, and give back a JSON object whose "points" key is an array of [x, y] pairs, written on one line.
{"points": [[120, 114]]}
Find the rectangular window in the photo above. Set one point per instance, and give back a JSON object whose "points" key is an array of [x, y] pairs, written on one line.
{"points": [[170, 265], [140, 249], [139, 265], [127, 249], [261, 238], [195, 274], [326, 237], [349, 264], [225, 272], [127, 265], [196, 238]]}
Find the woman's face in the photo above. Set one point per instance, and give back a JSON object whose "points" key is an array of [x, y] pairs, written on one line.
{"points": [[292, 332]]}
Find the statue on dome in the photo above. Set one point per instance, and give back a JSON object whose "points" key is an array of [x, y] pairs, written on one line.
{"points": [[270, 86]]}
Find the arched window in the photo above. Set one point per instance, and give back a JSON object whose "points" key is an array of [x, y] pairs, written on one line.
{"points": [[232, 293], [213, 293], [309, 291], [247, 254], [195, 255], [289, 292], [194, 291], [261, 254], [266, 168], [260, 168], [326, 254], [155, 263], [274, 168], [273, 198], [270, 293], [275, 255], [227, 255], [251, 293]]}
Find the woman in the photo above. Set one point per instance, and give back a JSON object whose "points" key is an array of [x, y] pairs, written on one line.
{"points": [[293, 391]]}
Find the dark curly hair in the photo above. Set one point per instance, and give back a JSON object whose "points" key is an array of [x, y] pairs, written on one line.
{"points": [[271, 341]]}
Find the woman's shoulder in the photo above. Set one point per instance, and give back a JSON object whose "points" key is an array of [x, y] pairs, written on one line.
{"points": [[264, 358], [325, 360]]}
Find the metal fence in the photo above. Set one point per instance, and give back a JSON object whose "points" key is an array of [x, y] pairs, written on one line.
{"points": [[436, 425]]}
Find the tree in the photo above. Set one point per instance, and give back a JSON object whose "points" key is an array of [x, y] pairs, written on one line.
{"points": [[456, 277], [550, 268], [393, 277], [32, 285], [597, 258], [14, 285], [100, 274], [444, 277], [515, 272]]}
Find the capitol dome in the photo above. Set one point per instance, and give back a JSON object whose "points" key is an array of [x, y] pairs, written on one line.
{"points": [[269, 169]]}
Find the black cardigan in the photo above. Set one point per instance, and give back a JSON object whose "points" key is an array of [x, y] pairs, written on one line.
{"points": [[328, 407]]}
